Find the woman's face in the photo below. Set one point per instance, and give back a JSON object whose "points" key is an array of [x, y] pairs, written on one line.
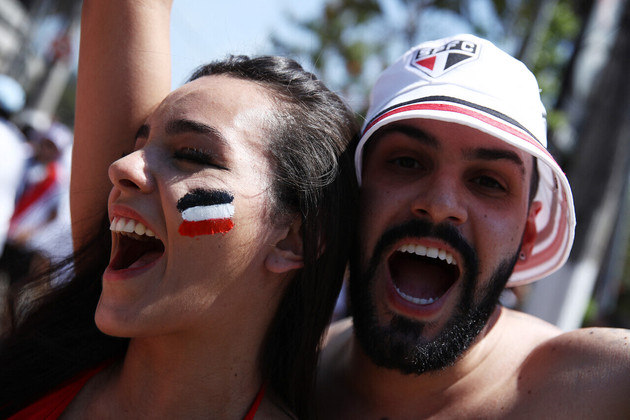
{"points": [[190, 212]]}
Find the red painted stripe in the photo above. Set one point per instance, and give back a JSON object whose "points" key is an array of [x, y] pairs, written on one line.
{"points": [[206, 227]]}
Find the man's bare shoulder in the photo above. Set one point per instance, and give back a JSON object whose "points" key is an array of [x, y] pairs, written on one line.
{"points": [[600, 343], [582, 371], [585, 343], [606, 350]]}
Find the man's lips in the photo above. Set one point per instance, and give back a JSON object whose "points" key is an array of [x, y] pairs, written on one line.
{"points": [[422, 274]]}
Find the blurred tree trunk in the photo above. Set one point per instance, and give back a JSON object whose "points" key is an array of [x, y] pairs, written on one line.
{"points": [[602, 162], [598, 169]]}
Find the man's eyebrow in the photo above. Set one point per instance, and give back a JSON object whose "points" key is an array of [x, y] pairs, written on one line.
{"points": [[409, 131], [483, 153], [181, 126]]}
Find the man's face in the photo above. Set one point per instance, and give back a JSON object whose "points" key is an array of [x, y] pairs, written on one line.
{"points": [[444, 212]]}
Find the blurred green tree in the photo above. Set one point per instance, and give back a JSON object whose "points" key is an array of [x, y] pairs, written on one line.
{"points": [[354, 40]]}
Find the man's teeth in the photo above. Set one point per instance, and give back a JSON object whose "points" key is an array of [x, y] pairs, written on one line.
{"points": [[430, 252], [124, 225], [416, 300]]}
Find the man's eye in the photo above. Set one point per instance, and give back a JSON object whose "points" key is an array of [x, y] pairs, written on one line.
{"points": [[406, 162], [489, 182], [192, 155]]}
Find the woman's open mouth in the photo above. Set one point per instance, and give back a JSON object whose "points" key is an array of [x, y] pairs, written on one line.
{"points": [[137, 246], [421, 275]]}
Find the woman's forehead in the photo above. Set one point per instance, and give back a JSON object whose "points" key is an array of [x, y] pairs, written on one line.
{"points": [[231, 106], [221, 93]]}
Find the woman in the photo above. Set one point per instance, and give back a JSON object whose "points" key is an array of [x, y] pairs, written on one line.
{"points": [[230, 226]]}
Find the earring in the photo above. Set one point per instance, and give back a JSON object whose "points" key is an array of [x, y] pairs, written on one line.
{"points": [[522, 256]]}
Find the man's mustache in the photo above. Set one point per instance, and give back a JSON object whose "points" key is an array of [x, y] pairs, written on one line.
{"points": [[419, 228]]}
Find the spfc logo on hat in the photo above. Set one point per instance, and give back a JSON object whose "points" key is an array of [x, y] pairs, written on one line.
{"points": [[437, 61]]}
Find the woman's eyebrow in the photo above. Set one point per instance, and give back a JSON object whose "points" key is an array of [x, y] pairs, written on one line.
{"points": [[180, 126]]}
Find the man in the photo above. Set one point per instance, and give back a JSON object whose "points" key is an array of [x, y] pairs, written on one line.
{"points": [[460, 197]]}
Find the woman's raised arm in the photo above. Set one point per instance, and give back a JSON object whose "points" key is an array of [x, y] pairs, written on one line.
{"points": [[124, 71]]}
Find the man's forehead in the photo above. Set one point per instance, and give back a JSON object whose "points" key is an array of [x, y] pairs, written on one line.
{"points": [[437, 134]]}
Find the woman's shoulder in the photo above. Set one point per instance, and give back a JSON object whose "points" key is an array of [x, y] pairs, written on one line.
{"points": [[53, 404]]}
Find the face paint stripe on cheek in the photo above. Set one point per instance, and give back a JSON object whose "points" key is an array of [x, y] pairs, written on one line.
{"points": [[206, 212]]}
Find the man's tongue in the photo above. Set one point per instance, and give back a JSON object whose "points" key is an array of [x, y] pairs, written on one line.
{"points": [[418, 279]]}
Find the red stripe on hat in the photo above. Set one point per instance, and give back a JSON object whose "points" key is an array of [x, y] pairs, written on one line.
{"points": [[551, 250], [453, 108], [547, 231], [205, 227]]}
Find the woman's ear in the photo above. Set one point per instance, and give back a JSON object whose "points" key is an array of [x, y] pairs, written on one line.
{"points": [[530, 234], [287, 253]]}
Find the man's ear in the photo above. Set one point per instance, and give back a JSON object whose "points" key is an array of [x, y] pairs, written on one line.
{"points": [[530, 233], [287, 253]]}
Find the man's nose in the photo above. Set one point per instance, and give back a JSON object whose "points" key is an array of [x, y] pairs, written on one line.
{"points": [[442, 199]]}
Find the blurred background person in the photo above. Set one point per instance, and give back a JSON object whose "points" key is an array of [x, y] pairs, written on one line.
{"points": [[12, 149], [41, 215]]}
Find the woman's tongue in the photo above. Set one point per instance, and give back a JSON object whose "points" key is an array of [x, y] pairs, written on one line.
{"points": [[420, 279], [137, 253], [146, 258]]}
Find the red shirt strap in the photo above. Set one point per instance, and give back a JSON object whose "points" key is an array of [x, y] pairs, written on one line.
{"points": [[252, 410]]}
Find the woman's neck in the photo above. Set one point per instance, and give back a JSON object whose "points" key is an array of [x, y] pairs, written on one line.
{"points": [[215, 374]]}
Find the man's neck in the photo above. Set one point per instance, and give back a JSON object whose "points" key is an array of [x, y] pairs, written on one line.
{"points": [[351, 383]]}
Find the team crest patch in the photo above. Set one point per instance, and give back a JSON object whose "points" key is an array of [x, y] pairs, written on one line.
{"points": [[437, 61]]}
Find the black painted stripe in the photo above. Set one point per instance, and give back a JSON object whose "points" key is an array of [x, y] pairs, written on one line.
{"points": [[201, 197]]}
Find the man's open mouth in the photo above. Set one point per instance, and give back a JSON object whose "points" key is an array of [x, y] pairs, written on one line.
{"points": [[137, 246], [420, 274]]}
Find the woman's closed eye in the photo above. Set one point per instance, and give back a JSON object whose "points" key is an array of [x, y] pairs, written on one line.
{"points": [[197, 157]]}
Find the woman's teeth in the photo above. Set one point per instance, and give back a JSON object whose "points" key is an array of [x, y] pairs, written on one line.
{"points": [[430, 252], [124, 225]]}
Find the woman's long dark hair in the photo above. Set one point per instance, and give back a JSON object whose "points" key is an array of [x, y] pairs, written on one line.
{"points": [[309, 152], [311, 161], [58, 338]]}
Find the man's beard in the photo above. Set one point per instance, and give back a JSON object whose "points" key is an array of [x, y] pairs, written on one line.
{"points": [[400, 345]]}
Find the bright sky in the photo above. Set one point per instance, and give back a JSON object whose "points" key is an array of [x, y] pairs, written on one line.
{"points": [[205, 30]]}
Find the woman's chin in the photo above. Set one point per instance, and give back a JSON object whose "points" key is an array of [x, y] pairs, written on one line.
{"points": [[112, 322]]}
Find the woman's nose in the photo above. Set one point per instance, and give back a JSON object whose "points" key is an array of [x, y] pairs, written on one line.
{"points": [[131, 173]]}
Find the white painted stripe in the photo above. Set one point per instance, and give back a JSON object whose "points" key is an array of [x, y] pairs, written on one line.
{"points": [[217, 211]]}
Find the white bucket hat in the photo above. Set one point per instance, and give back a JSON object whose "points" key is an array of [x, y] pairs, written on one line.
{"points": [[467, 80]]}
